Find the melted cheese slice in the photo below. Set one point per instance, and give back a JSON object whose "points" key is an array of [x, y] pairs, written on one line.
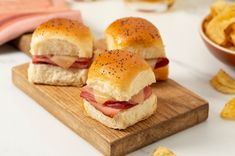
{"points": [[101, 98], [152, 62], [138, 98], [63, 61]]}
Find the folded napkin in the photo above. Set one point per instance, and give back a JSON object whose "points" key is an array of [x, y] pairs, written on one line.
{"points": [[25, 15]]}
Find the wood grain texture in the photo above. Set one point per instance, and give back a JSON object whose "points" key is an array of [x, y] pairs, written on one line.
{"points": [[178, 109]]}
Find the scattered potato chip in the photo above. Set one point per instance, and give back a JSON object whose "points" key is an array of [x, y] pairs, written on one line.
{"points": [[223, 82], [225, 79], [221, 88], [228, 111], [162, 151]]}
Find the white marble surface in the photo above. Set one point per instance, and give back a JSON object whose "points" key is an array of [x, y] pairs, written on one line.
{"points": [[28, 130]]}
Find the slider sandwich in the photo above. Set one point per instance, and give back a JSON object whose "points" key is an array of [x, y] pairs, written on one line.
{"points": [[118, 92], [61, 53], [139, 36]]}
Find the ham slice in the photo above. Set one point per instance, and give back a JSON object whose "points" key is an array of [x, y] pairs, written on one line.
{"points": [[118, 104], [85, 93], [158, 62], [112, 107], [108, 111], [14, 25], [62, 61], [161, 62]]}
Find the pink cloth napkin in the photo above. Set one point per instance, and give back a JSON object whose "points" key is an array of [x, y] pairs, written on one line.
{"points": [[21, 16]]}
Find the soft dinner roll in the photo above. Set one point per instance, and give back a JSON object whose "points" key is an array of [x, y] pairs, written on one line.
{"points": [[44, 74], [137, 35], [125, 118], [62, 53], [62, 37], [118, 92], [119, 74]]}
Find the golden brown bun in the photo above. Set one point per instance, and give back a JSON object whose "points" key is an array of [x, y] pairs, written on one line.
{"points": [[161, 73], [125, 118], [136, 35], [62, 37], [119, 74]]}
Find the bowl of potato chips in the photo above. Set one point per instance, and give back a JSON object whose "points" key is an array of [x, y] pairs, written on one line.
{"points": [[218, 31]]}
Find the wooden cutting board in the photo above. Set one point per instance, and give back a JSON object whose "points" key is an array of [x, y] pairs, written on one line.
{"points": [[178, 109]]}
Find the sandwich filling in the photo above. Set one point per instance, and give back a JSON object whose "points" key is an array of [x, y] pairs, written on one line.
{"points": [[108, 105], [65, 62], [158, 62]]}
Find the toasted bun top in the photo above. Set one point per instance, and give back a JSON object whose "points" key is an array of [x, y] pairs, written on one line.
{"points": [[134, 31], [119, 74], [62, 37]]}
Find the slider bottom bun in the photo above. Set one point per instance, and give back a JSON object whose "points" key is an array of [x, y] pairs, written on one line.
{"points": [[54, 75], [125, 118], [161, 73]]}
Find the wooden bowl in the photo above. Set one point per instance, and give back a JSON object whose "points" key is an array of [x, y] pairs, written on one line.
{"points": [[225, 55]]}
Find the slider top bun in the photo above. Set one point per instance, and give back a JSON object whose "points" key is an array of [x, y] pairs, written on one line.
{"points": [[136, 35], [119, 74], [62, 37]]}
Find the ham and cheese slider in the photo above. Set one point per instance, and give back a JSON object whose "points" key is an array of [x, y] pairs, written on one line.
{"points": [[61, 53], [118, 92], [139, 36]]}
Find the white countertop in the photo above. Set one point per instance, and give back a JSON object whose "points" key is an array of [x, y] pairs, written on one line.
{"points": [[28, 130]]}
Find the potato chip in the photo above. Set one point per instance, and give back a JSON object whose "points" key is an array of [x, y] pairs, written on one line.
{"points": [[220, 87], [218, 7], [232, 34], [225, 79], [207, 21], [162, 151], [228, 111], [217, 26], [223, 82]]}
